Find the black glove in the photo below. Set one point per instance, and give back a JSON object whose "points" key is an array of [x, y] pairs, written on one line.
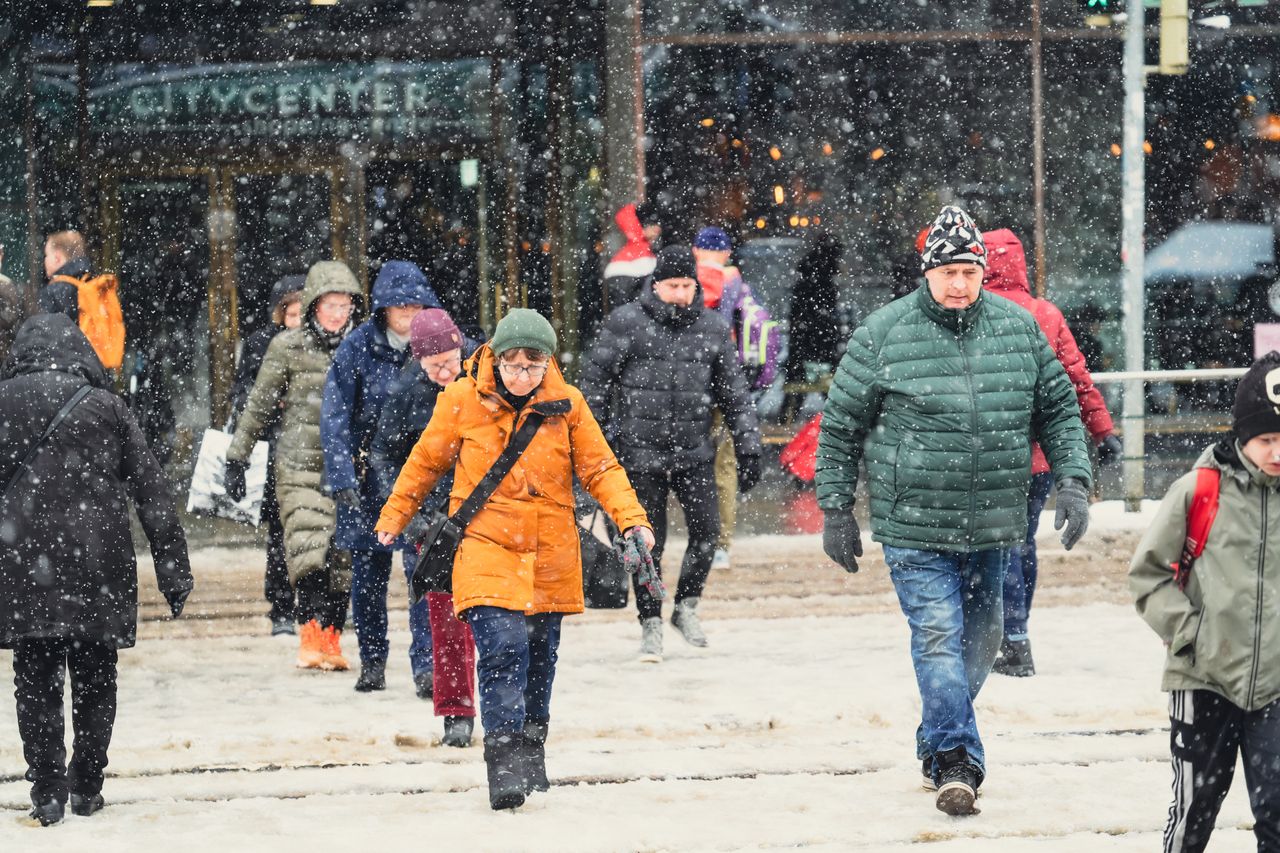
{"points": [[233, 479], [349, 498], [748, 473], [841, 538], [1110, 450], [1073, 511], [177, 599], [637, 560], [417, 528]]}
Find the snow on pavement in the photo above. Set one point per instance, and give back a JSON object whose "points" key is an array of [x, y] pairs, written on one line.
{"points": [[794, 731]]}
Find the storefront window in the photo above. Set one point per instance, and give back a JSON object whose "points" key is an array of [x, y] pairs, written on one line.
{"points": [[664, 18]]}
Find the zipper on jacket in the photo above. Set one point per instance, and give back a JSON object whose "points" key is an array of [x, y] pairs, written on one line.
{"points": [[1257, 612], [973, 436]]}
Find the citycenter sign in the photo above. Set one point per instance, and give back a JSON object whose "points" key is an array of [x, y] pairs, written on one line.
{"points": [[386, 101]]}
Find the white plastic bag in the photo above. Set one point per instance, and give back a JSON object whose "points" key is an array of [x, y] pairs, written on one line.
{"points": [[208, 494]]}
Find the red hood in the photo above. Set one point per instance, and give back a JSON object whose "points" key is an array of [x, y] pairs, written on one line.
{"points": [[1006, 263], [636, 246]]}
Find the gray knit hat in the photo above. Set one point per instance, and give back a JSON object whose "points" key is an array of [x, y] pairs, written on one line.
{"points": [[521, 328]]}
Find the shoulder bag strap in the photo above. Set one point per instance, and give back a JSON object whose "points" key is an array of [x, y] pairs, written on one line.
{"points": [[25, 464], [495, 475]]}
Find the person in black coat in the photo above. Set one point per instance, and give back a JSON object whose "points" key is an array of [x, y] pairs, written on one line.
{"points": [[286, 313], [815, 321], [67, 564], [658, 368]]}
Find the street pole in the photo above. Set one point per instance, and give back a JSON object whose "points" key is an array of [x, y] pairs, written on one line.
{"points": [[1133, 207]]}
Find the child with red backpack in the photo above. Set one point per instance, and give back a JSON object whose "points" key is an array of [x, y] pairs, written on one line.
{"points": [[1206, 577]]}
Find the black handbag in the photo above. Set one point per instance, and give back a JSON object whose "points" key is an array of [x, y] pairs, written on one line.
{"points": [[605, 583], [434, 569]]}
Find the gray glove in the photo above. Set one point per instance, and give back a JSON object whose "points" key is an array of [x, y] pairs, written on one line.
{"points": [[1073, 511], [841, 538], [637, 560], [417, 528], [349, 498]]}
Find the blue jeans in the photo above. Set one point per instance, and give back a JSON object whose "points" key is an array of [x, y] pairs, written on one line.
{"points": [[952, 603], [1020, 580], [370, 575], [516, 661]]}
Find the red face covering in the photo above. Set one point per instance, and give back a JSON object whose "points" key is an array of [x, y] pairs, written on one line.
{"points": [[712, 281]]}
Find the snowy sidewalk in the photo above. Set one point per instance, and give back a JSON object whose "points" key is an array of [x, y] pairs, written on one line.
{"points": [[789, 731]]}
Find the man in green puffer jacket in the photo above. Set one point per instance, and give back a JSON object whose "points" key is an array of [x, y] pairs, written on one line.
{"points": [[944, 392], [1222, 630], [291, 382]]}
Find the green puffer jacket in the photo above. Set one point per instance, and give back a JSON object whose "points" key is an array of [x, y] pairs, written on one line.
{"points": [[947, 404], [292, 376], [1223, 632]]}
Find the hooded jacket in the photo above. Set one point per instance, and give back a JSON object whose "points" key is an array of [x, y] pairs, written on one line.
{"points": [[1223, 631], [292, 376], [945, 404], [67, 564], [521, 550], [631, 264], [355, 390], [1007, 276]]}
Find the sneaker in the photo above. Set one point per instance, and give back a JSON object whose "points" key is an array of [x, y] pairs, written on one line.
{"points": [[373, 676], [651, 640], [958, 782], [424, 685], [333, 659], [721, 559], [926, 775], [311, 646], [47, 812], [457, 731], [282, 626], [85, 806], [1014, 659], [685, 620]]}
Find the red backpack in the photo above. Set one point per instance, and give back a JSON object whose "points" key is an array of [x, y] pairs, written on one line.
{"points": [[1200, 516]]}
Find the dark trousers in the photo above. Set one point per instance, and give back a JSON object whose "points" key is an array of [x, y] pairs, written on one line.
{"points": [[276, 586], [695, 490], [1206, 734], [370, 578], [39, 668], [516, 656], [1024, 566], [319, 600]]}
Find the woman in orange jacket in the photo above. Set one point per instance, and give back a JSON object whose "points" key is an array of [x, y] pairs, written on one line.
{"points": [[517, 569]]}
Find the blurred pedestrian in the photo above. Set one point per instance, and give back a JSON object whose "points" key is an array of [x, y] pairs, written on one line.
{"points": [[445, 670], [815, 320], [658, 368], [633, 263], [292, 379], [1006, 276], [757, 344], [72, 459], [364, 365], [90, 299], [11, 311], [941, 392], [286, 313], [518, 568]]}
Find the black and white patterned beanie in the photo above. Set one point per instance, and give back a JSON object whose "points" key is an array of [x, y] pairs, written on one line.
{"points": [[953, 239]]}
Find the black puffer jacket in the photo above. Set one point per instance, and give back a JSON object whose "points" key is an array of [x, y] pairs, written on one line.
{"points": [[654, 375], [67, 567]]}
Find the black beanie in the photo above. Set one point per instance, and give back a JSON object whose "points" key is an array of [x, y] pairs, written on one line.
{"points": [[675, 262], [1257, 406]]}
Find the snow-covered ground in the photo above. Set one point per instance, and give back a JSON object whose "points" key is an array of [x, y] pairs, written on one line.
{"points": [[791, 730]]}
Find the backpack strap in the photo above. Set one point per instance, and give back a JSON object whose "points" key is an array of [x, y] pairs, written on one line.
{"points": [[25, 464], [1200, 515]]}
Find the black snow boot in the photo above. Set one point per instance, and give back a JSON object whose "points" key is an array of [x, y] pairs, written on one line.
{"points": [[502, 759], [457, 731], [47, 812], [1014, 659], [958, 781], [84, 805], [535, 757], [373, 676]]}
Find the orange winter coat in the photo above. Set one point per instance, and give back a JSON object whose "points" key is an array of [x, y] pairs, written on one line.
{"points": [[520, 552]]}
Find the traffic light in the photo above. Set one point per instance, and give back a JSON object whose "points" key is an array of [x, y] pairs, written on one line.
{"points": [[1098, 13], [1174, 56]]}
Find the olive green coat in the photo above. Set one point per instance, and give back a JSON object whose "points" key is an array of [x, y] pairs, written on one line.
{"points": [[1223, 632], [947, 404], [291, 380]]}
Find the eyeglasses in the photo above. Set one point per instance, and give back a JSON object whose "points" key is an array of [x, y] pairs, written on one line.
{"points": [[443, 366], [335, 307], [533, 371]]}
